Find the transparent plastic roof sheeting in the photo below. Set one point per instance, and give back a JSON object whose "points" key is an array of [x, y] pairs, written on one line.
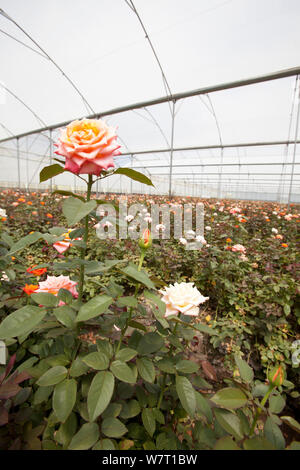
{"points": [[240, 133]]}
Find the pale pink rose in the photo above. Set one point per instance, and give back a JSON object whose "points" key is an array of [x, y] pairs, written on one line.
{"points": [[182, 298], [65, 244], [62, 246], [54, 283], [235, 210], [88, 146], [239, 248]]}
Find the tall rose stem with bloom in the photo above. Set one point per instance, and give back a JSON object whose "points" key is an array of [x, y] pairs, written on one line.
{"points": [[276, 378], [85, 239]]}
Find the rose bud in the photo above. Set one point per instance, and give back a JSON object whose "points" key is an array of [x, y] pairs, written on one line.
{"points": [[276, 376], [146, 240]]}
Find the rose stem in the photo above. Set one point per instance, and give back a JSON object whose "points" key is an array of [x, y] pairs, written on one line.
{"points": [[85, 239]]}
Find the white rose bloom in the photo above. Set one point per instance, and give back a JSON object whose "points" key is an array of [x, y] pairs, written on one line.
{"points": [[274, 230], [161, 227], [148, 219], [3, 213], [201, 239], [129, 218], [208, 228], [182, 298], [191, 232], [183, 241]]}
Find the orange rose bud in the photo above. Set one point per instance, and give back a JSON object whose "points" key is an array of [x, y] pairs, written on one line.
{"points": [[36, 272], [276, 376], [30, 288], [146, 240]]}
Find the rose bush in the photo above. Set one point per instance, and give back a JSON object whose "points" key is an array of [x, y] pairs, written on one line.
{"points": [[111, 368]]}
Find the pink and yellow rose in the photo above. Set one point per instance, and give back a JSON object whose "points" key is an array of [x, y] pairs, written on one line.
{"points": [[89, 146], [53, 284]]}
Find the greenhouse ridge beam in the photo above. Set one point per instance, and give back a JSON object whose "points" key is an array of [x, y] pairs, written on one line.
{"points": [[217, 146], [174, 97], [218, 164]]}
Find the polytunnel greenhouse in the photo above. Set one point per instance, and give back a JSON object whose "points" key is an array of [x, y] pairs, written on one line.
{"points": [[151, 340]]}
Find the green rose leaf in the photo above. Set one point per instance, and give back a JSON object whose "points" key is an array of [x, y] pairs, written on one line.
{"points": [[150, 343], [139, 276], [21, 322], [50, 171], [148, 421], [134, 175], [45, 299], [113, 427], [245, 370], [25, 241], [74, 209], [258, 443], [123, 372], [187, 367], [96, 306], [66, 430], [64, 398], [130, 409], [78, 367], [96, 360], [291, 422], [230, 422], [52, 376], [86, 437], [230, 397], [276, 403], [126, 354], [65, 315], [146, 369], [186, 394], [273, 434], [226, 443], [100, 393]]}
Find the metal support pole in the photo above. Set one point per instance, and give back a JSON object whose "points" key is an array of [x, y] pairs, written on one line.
{"points": [[172, 145], [18, 157], [220, 174], [294, 152], [51, 151], [27, 166], [131, 160]]}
